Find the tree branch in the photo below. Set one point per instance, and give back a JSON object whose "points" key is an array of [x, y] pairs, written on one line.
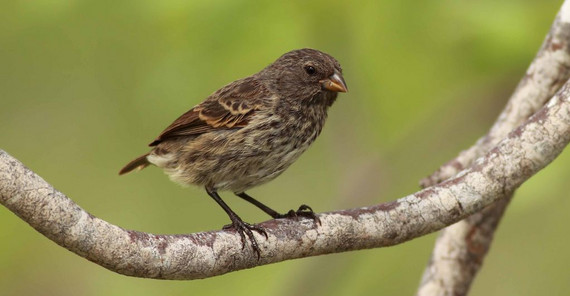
{"points": [[461, 248], [545, 75], [459, 252], [524, 152]]}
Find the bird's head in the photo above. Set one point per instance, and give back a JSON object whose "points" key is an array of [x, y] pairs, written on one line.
{"points": [[305, 74]]}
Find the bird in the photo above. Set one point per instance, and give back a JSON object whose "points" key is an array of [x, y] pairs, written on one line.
{"points": [[249, 132]]}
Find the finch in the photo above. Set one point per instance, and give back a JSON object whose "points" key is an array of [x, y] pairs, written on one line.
{"points": [[250, 131]]}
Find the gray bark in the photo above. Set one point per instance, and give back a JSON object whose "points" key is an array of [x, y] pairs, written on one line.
{"points": [[461, 248]]}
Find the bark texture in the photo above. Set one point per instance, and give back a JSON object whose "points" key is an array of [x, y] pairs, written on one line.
{"points": [[461, 248]]}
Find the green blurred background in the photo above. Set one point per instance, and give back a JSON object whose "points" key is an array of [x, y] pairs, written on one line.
{"points": [[85, 85]]}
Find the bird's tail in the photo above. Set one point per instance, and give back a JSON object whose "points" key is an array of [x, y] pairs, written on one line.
{"points": [[138, 163]]}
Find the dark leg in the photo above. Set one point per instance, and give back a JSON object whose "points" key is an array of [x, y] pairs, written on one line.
{"points": [[303, 211], [261, 206], [237, 223]]}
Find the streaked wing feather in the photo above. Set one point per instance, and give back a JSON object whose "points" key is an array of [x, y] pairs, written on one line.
{"points": [[230, 107]]}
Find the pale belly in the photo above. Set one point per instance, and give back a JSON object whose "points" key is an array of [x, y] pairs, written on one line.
{"points": [[233, 161]]}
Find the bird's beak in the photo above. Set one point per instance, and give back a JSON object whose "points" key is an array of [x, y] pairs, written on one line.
{"points": [[335, 83]]}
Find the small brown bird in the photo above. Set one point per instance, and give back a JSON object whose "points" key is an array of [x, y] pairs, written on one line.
{"points": [[249, 131]]}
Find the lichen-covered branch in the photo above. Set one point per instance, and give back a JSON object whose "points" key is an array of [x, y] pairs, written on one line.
{"points": [[459, 252], [521, 154], [461, 248], [545, 75]]}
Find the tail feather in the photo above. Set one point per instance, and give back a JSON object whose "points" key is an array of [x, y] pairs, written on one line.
{"points": [[138, 163]]}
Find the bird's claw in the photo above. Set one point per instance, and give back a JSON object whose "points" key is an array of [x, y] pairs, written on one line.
{"points": [[244, 229], [303, 211]]}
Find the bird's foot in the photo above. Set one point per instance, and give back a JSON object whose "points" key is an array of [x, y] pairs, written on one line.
{"points": [[303, 211], [244, 229]]}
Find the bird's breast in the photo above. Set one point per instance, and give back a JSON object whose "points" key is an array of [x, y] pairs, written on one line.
{"points": [[287, 131]]}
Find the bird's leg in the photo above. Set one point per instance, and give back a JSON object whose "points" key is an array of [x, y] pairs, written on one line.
{"points": [[303, 211], [241, 227], [261, 206]]}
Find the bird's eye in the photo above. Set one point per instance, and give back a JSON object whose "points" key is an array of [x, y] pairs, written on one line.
{"points": [[310, 70]]}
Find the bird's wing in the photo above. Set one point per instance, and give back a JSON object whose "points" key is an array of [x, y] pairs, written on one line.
{"points": [[230, 107]]}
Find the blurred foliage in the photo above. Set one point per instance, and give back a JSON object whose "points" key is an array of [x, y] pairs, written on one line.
{"points": [[85, 85]]}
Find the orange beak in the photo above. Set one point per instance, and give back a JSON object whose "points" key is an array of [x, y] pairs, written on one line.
{"points": [[335, 83]]}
